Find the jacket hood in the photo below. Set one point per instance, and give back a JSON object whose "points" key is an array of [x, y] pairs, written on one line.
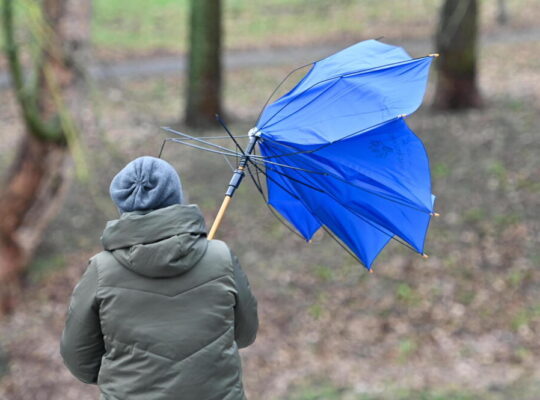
{"points": [[160, 243]]}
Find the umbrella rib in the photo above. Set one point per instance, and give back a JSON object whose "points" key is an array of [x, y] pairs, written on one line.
{"points": [[257, 172], [293, 195], [266, 125], [280, 84], [329, 143], [296, 180], [341, 179], [222, 123], [228, 153], [162, 147], [346, 75], [261, 161], [256, 182], [353, 185], [219, 137], [291, 229], [358, 87], [231, 136], [228, 163], [276, 182], [288, 76], [265, 158], [342, 245], [391, 236], [189, 137], [274, 212]]}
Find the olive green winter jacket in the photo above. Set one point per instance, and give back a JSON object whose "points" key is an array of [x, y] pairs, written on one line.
{"points": [[161, 313]]}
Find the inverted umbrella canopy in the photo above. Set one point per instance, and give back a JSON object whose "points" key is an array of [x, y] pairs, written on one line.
{"points": [[338, 154], [343, 155]]}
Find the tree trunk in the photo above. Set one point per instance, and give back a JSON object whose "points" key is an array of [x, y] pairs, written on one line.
{"points": [[40, 173], [34, 192], [456, 41], [204, 75], [502, 12]]}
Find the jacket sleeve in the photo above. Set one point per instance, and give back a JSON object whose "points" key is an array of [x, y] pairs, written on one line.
{"points": [[82, 345], [246, 320]]}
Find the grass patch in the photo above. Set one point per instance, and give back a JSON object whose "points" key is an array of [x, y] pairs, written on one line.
{"points": [[407, 295], [440, 170], [406, 349], [4, 362], [138, 25], [142, 26], [326, 391], [322, 392], [474, 215], [525, 317], [42, 266]]}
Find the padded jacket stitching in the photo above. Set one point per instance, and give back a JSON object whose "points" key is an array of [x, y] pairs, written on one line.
{"points": [[134, 346]]}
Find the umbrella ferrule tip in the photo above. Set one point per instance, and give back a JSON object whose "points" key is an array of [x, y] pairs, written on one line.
{"points": [[435, 214], [424, 255], [434, 55], [254, 132]]}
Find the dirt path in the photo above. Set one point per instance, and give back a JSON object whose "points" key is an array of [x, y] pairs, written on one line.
{"points": [[173, 65]]}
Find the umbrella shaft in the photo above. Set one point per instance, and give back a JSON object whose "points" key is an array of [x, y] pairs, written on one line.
{"points": [[239, 172], [235, 181], [233, 185]]}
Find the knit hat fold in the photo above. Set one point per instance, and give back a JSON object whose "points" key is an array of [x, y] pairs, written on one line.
{"points": [[146, 183]]}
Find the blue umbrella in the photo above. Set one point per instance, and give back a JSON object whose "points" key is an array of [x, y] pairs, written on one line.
{"points": [[338, 154]]}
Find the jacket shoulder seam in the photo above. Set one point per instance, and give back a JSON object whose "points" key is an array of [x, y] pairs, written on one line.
{"points": [[93, 263], [95, 260]]}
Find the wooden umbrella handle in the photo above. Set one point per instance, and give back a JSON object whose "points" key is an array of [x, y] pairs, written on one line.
{"points": [[219, 217]]}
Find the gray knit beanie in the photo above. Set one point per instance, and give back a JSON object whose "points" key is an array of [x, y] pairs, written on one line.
{"points": [[146, 183]]}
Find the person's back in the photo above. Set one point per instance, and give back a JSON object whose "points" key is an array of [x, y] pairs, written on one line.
{"points": [[161, 312]]}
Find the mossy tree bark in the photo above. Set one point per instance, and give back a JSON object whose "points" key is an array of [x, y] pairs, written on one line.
{"points": [[205, 70], [456, 42], [40, 172]]}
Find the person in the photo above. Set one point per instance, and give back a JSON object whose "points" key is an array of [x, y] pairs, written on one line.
{"points": [[162, 311]]}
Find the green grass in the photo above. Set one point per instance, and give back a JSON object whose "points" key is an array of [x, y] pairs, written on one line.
{"points": [[127, 26], [525, 317], [522, 389], [139, 25], [326, 391], [42, 266], [4, 362]]}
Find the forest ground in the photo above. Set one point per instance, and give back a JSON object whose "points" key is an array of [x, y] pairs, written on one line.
{"points": [[463, 324]]}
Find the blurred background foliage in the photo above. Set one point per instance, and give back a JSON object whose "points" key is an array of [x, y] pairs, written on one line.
{"points": [[463, 324], [126, 27]]}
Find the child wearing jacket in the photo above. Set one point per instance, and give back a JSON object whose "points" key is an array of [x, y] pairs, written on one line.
{"points": [[161, 312]]}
